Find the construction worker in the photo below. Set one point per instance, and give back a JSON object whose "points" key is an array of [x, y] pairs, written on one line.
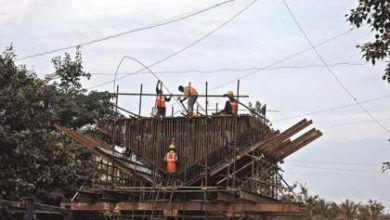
{"points": [[230, 105], [192, 95], [160, 100], [171, 158]]}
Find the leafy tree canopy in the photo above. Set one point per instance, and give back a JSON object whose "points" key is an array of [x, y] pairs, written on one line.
{"points": [[376, 14], [35, 160]]}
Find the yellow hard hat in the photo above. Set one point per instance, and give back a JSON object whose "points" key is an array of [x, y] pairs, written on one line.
{"points": [[172, 147], [229, 93]]}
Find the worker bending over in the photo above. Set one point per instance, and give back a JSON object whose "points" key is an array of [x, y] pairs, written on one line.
{"points": [[171, 158], [192, 95], [160, 100], [230, 105]]}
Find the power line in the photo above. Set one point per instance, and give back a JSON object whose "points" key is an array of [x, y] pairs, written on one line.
{"points": [[331, 71], [144, 66], [210, 71], [333, 108], [169, 21], [333, 162], [184, 48], [330, 109], [283, 59], [336, 169], [358, 122]]}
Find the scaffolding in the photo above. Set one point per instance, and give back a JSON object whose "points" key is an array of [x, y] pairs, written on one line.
{"points": [[228, 166]]}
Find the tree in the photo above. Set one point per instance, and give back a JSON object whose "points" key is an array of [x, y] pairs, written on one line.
{"points": [[376, 209], [349, 209], [332, 211], [70, 71], [374, 13], [35, 160], [364, 212], [385, 166], [75, 108]]}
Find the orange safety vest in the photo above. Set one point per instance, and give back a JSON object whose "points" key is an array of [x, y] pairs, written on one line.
{"points": [[190, 91], [234, 107], [160, 101], [171, 162]]}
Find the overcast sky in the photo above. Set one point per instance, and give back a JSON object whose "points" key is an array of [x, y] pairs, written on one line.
{"points": [[344, 163]]}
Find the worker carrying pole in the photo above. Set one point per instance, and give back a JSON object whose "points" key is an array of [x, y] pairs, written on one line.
{"points": [[160, 100], [192, 95], [230, 105], [171, 158]]}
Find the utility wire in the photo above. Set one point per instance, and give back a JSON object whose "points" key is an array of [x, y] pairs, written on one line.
{"points": [[358, 122], [234, 70], [144, 66], [169, 21], [184, 48], [333, 108], [335, 169], [283, 59], [332, 73], [331, 162]]}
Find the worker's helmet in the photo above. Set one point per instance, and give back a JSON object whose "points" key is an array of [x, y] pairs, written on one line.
{"points": [[172, 147], [229, 94]]}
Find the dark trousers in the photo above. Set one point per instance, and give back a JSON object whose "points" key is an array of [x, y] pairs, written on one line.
{"points": [[161, 111]]}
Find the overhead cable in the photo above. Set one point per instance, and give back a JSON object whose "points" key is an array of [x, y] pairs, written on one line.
{"points": [[341, 84], [283, 59], [182, 49], [169, 21], [235, 70], [333, 108]]}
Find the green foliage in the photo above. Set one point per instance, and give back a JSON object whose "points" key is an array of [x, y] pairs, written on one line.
{"points": [[258, 108], [35, 160], [349, 209], [70, 71], [375, 209], [259, 111], [319, 208], [375, 14], [385, 166]]}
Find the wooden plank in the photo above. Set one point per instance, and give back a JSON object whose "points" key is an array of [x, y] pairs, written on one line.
{"points": [[240, 155], [285, 135], [305, 142], [294, 143]]}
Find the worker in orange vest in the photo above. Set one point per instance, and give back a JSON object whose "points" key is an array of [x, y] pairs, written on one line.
{"points": [[160, 100], [192, 95], [230, 105], [171, 158]]}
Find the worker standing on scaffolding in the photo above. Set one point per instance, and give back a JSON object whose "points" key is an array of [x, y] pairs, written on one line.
{"points": [[192, 95], [171, 158], [160, 100], [230, 105]]}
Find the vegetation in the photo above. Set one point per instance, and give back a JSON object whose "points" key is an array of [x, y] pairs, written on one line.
{"points": [[385, 166], [35, 160], [376, 15], [320, 209]]}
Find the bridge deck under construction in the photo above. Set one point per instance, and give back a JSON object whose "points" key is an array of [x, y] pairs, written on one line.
{"points": [[228, 167]]}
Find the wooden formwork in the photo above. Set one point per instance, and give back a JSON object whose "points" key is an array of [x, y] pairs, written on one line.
{"points": [[196, 138], [228, 167]]}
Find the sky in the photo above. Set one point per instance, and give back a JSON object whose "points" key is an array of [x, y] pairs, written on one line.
{"points": [[344, 163]]}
